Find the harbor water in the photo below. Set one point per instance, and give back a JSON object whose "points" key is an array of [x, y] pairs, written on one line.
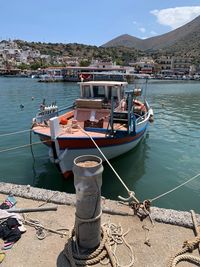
{"points": [[168, 156]]}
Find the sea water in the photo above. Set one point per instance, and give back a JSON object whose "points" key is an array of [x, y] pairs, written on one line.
{"points": [[167, 157]]}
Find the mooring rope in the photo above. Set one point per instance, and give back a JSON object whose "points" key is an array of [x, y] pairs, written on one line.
{"points": [[18, 132], [85, 259], [22, 146], [130, 193], [175, 188], [112, 236]]}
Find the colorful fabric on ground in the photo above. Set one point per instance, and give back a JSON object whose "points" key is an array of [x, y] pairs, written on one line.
{"points": [[9, 230], [8, 203]]}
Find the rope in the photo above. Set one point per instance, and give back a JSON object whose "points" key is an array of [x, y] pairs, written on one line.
{"points": [[48, 199], [27, 145], [40, 229], [120, 179], [112, 236], [7, 134], [89, 220], [185, 257], [117, 238], [85, 259], [188, 246], [196, 228], [166, 193]]}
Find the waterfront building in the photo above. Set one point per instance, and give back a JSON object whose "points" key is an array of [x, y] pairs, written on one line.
{"points": [[144, 65], [181, 65], [165, 64]]}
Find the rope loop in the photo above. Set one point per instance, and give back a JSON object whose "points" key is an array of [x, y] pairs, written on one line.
{"points": [[112, 235], [191, 244], [188, 246]]}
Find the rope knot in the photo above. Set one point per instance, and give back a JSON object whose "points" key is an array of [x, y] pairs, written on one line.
{"points": [[191, 244], [144, 206]]}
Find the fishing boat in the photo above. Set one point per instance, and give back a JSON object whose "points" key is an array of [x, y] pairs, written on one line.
{"points": [[109, 118]]}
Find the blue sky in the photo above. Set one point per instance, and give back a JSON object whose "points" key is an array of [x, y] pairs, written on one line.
{"points": [[92, 22]]}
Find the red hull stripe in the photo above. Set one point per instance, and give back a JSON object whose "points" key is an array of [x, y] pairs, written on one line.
{"points": [[73, 143]]}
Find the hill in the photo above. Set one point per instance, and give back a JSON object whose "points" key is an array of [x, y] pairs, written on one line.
{"points": [[184, 41], [182, 37], [120, 55], [125, 40]]}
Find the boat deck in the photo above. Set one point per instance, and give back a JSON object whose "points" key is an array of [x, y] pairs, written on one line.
{"points": [[79, 131], [79, 120]]}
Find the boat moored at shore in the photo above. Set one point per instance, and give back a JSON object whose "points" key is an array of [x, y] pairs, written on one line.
{"points": [[108, 118]]}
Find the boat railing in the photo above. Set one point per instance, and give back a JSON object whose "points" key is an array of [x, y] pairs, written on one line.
{"points": [[47, 112], [66, 108], [142, 118]]}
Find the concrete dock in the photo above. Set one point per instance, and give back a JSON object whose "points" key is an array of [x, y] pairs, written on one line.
{"points": [[148, 245]]}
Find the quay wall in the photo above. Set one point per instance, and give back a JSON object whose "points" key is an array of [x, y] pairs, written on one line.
{"points": [[161, 215]]}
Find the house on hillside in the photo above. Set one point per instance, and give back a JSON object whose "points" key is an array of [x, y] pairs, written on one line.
{"points": [[181, 65], [145, 65]]}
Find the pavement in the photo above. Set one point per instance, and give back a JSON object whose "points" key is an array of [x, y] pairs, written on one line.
{"points": [[145, 244]]}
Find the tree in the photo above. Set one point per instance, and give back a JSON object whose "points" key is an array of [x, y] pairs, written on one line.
{"points": [[23, 66], [84, 63]]}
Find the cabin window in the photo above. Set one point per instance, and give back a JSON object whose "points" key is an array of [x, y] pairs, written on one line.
{"points": [[86, 91], [99, 91], [112, 92]]}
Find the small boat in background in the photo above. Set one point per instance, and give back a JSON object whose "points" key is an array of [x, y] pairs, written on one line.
{"points": [[108, 115]]}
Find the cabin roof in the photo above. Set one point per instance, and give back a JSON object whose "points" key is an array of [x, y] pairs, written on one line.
{"points": [[109, 83]]}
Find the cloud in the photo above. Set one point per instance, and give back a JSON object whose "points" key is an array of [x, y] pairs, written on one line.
{"points": [[153, 33], [142, 29], [177, 16]]}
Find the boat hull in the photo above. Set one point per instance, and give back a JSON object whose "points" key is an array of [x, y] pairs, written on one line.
{"points": [[70, 148]]}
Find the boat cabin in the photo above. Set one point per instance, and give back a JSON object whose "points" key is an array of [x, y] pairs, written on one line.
{"points": [[103, 90], [97, 99]]}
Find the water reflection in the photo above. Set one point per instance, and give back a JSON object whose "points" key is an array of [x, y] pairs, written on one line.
{"points": [[130, 167]]}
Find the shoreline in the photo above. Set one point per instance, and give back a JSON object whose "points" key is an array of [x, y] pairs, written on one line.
{"points": [[113, 207]]}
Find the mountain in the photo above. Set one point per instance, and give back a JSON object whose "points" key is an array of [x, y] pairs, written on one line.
{"points": [[125, 40], [186, 33]]}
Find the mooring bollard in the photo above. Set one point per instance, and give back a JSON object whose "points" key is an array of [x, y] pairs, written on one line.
{"points": [[87, 171]]}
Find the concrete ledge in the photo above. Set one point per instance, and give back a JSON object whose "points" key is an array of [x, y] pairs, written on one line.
{"points": [[168, 216], [29, 192]]}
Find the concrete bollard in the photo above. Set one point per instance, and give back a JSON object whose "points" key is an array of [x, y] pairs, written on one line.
{"points": [[87, 171]]}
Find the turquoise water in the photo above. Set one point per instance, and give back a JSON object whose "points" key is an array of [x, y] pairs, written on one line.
{"points": [[165, 158]]}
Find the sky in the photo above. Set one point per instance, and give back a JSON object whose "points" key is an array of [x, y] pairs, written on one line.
{"points": [[92, 22]]}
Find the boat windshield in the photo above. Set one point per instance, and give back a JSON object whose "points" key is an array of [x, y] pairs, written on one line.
{"points": [[86, 93], [99, 91]]}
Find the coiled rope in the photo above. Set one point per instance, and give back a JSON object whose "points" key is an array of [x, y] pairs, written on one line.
{"points": [[117, 238], [188, 246], [91, 258], [112, 236]]}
